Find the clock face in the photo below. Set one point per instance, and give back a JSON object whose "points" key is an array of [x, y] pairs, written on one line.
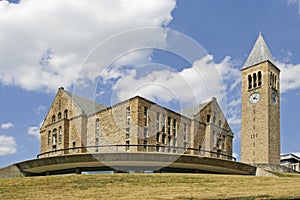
{"points": [[273, 98], [254, 98]]}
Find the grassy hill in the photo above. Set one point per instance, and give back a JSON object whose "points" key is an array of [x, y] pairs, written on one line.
{"points": [[151, 186]]}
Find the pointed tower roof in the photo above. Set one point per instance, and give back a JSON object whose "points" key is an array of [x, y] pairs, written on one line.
{"points": [[259, 53]]}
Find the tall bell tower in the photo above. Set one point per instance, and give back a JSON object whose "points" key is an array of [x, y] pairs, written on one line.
{"points": [[260, 136]]}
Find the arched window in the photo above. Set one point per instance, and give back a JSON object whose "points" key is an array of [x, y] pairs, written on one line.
{"points": [[214, 120], [54, 137], [53, 118], [59, 116], [254, 80], [249, 81], [275, 82], [66, 114], [259, 78]]}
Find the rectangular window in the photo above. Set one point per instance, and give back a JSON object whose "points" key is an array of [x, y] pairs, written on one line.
{"points": [[169, 126], [49, 138], [157, 137], [74, 144], [145, 145], [54, 139], [157, 121], [213, 139], [97, 128], [60, 134], [127, 145], [145, 116], [127, 133], [163, 139], [184, 132], [97, 144], [174, 127], [128, 116], [145, 132], [163, 121], [54, 149]]}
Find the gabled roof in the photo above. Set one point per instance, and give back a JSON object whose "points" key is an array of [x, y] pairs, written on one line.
{"points": [[196, 109], [259, 53], [86, 105]]}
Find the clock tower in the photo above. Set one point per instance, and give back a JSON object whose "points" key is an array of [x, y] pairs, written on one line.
{"points": [[260, 136]]}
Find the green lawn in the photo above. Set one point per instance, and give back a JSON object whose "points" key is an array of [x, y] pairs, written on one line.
{"points": [[151, 186]]}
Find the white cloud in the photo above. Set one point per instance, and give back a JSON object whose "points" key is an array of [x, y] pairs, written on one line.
{"points": [[34, 130], [195, 84], [39, 109], [7, 145], [49, 40], [6, 125], [295, 1], [290, 74]]}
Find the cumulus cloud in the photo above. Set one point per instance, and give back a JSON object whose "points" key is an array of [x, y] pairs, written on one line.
{"points": [[289, 76], [39, 109], [7, 125], [295, 1], [7, 145], [194, 84], [44, 43], [34, 130]]}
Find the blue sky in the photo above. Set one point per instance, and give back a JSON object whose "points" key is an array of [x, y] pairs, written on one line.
{"points": [[48, 44]]}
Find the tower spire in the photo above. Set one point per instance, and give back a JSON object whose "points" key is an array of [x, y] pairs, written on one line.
{"points": [[259, 53]]}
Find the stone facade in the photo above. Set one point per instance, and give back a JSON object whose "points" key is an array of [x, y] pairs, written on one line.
{"points": [[136, 124], [260, 138]]}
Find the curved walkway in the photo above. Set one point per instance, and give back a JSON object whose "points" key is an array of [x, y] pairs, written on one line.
{"points": [[126, 161]]}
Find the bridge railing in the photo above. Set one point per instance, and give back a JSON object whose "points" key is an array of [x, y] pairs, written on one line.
{"points": [[140, 148]]}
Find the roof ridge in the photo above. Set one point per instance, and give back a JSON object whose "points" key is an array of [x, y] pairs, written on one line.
{"points": [[86, 105]]}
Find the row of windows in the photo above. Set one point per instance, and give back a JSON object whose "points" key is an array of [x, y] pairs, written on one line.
{"points": [[254, 80], [59, 116], [214, 120], [53, 136], [219, 142]]}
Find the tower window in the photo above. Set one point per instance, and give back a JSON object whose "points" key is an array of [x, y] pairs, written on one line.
{"points": [[59, 116], [249, 81], [208, 118], [254, 80], [66, 114], [259, 78]]}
